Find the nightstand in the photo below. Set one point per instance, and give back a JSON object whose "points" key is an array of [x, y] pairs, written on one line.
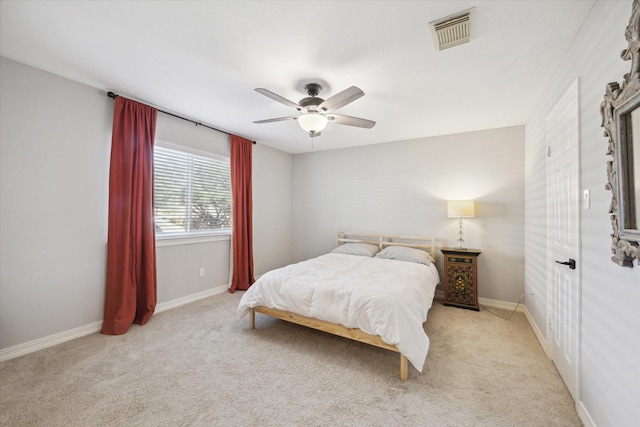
{"points": [[461, 277]]}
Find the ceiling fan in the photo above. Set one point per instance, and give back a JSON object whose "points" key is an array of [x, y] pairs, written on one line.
{"points": [[317, 112]]}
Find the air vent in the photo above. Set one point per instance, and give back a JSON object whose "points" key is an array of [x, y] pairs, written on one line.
{"points": [[452, 30]]}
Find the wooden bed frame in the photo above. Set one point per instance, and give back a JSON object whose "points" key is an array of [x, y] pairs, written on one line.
{"points": [[424, 243]]}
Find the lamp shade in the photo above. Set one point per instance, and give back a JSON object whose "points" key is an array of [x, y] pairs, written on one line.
{"points": [[312, 122], [461, 209]]}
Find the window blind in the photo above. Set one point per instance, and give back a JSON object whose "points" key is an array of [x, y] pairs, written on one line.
{"points": [[192, 193]]}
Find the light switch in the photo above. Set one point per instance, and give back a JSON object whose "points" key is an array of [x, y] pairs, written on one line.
{"points": [[585, 199]]}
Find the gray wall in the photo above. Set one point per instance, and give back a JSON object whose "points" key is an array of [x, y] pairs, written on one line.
{"points": [[272, 177], [402, 188], [54, 151], [179, 260], [55, 139], [610, 319], [54, 157]]}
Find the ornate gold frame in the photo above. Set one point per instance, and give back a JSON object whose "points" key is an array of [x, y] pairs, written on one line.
{"points": [[619, 102]]}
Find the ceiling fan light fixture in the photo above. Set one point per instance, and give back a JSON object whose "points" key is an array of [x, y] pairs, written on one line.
{"points": [[313, 122], [316, 112]]}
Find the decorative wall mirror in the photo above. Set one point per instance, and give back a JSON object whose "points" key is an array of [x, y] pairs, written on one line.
{"points": [[620, 112]]}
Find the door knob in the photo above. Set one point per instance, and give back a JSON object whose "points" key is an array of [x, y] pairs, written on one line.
{"points": [[571, 263]]}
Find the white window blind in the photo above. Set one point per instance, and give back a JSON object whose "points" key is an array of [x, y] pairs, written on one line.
{"points": [[192, 193]]}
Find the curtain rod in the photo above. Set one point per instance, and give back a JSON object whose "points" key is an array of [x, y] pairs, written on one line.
{"points": [[115, 95]]}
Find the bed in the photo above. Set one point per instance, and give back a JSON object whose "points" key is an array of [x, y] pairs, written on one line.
{"points": [[375, 289]]}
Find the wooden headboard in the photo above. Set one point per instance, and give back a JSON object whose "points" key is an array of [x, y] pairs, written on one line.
{"points": [[426, 244]]}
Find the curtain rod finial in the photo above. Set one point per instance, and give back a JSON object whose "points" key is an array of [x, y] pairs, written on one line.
{"points": [[112, 95]]}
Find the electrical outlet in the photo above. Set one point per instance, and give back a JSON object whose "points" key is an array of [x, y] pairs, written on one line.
{"points": [[202, 272]]}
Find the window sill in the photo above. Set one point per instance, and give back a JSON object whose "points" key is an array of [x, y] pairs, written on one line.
{"points": [[189, 240]]}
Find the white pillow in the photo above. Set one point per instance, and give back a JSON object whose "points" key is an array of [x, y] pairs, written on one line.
{"points": [[362, 249], [403, 253]]}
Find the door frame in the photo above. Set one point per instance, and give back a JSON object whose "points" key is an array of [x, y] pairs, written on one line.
{"points": [[572, 88]]}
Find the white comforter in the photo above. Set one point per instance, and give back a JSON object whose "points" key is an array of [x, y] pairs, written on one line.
{"points": [[383, 297]]}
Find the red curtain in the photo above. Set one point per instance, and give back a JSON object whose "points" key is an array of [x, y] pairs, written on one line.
{"points": [[242, 213], [131, 249]]}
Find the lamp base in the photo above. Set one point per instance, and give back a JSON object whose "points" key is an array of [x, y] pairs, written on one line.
{"points": [[460, 242]]}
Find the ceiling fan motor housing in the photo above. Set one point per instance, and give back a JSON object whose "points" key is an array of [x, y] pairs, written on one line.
{"points": [[313, 89], [311, 103]]}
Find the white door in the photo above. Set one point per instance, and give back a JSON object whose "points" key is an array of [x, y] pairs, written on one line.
{"points": [[563, 238]]}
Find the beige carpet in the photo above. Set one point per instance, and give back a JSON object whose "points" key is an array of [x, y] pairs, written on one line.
{"points": [[198, 365]]}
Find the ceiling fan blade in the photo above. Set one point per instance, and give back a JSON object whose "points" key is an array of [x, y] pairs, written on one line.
{"points": [[351, 121], [278, 98], [341, 99], [279, 119]]}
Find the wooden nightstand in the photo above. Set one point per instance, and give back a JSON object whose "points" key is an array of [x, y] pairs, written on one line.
{"points": [[461, 277]]}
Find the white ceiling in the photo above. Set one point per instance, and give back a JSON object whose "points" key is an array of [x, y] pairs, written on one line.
{"points": [[203, 59]]}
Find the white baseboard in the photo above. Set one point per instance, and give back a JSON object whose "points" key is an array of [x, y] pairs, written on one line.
{"points": [[584, 416], [536, 330], [50, 341], [504, 305], [92, 328], [168, 305], [490, 302]]}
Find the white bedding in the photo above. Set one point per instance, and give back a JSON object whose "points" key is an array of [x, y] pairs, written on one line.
{"points": [[383, 297]]}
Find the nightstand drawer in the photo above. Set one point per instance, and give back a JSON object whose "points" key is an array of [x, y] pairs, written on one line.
{"points": [[460, 260]]}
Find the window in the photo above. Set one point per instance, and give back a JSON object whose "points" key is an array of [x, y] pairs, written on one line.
{"points": [[192, 193]]}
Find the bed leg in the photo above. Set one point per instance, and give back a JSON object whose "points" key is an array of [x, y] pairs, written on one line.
{"points": [[404, 367], [252, 319]]}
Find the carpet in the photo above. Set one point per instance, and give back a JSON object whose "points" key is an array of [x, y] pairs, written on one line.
{"points": [[198, 365]]}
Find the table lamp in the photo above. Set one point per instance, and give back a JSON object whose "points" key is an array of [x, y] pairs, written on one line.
{"points": [[460, 209]]}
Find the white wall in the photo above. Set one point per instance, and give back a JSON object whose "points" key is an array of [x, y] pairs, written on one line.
{"points": [[610, 325], [402, 188], [55, 138]]}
